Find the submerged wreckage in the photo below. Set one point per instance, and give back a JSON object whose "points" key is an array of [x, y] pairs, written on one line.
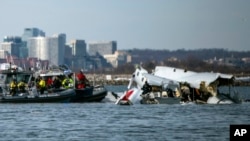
{"points": [[167, 85]]}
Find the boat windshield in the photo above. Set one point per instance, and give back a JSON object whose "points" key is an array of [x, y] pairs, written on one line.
{"points": [[18, 77]]}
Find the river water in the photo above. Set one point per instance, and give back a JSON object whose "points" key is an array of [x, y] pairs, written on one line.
{"points": [[106, 121]]}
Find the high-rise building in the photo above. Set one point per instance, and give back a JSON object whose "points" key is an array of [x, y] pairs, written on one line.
{"points": [[11, 48], [3, 54], [57, 49], [32, 32], [79, 53], [78, 48], [48, 48], [29, 33], [118, 58], [11, 45], [14, 39], [102, 47]]}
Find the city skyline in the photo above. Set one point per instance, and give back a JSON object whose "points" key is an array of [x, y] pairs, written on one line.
{"points": [[142, 24]]}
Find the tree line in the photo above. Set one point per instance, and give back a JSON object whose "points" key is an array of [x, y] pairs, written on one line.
{"points": [[193, 60]]}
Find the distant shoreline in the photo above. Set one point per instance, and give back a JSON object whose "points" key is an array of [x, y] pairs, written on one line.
{"points": [[123, 79], [102, 79]]}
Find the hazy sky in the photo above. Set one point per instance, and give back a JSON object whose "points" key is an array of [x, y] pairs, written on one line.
{"points": [[152, 24]]}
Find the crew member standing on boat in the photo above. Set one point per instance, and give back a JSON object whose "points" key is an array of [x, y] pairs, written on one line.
{"points": [[71, 81], [42, 85], [81, 80], [80, 75], [56, 83], [13, 87], [37, 80], [67, 82], [21, 86], [49, 82]]}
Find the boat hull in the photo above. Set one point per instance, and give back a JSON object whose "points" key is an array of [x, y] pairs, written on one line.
{"points": [[59, 96], [90, 94]]}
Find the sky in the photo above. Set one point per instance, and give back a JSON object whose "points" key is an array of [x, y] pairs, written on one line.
{"points": [[141, 24]]}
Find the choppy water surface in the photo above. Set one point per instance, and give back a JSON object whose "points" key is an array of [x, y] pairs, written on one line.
{"points": [[106, 121]]}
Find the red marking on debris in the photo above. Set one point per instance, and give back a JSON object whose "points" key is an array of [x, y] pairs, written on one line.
{"points": [[128, 94]]}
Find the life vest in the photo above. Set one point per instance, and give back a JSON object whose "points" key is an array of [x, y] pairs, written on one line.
{"points": [[21, 85], [80, 76], [13, 85], [67, 83], [49, 82], [42, 83]]}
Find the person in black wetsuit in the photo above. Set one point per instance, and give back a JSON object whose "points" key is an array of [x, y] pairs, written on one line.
{"points": [[146, 88]]}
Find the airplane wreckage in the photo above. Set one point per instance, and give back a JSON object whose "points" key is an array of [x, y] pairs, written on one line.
{"points": [[168, 85]]}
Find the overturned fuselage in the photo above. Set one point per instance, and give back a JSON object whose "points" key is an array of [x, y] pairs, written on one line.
{"points": [[169, 85]]}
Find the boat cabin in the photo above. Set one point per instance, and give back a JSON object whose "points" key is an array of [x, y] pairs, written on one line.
{"points": [[6, 76]]}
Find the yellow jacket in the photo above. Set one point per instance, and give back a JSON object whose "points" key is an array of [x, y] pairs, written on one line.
{"points": [[67, 83], [13, 85], [42, 83], [21, 84]]}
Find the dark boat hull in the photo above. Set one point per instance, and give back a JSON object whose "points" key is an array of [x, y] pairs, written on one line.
{"points": [[59, 96], [89, 94]]}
